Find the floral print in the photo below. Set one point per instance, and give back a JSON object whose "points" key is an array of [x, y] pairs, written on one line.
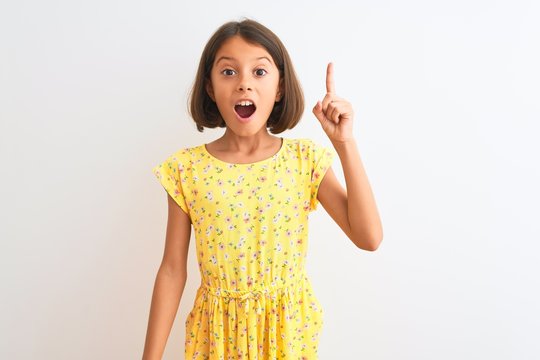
{"points": [[250, 225]]}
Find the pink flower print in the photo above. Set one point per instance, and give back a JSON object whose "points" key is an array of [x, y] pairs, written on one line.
{"points": [[246, 217], [221, 246], [207, 168], [288, 232], [262, 178], [195, 192], [262, 242], [241, 255], [213, 259], [239, 192], [210, 196], [220, 182], [278, 247], [299, 241], [279, 183], [233, 283], [316, 175], [241, 241], [228, 219], [249, 281]]}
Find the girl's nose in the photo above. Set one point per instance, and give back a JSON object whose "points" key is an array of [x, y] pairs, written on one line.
{"points": [[244, 84]]}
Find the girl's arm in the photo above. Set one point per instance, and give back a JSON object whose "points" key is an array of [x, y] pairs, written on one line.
{"points": [[170, 281], [354, 209]]}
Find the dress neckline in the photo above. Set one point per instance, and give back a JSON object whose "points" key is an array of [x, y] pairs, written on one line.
{"points": [[281, 149]]}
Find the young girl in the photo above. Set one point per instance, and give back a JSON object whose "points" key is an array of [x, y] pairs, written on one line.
{"points": [[248, 195]]}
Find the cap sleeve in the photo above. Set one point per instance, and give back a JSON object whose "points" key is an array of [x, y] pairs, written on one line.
{"points": [[169, 173], [322, 158]]}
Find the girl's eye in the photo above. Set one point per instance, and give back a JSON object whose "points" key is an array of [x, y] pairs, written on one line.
{"points": [[260, 72], [228, 72]]}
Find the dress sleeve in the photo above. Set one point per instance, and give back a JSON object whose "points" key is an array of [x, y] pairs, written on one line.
{"points": [[169, 173], [322, 158]]}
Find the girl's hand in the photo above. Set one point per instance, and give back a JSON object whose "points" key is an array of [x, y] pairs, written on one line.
{"points": [[334, 113]]}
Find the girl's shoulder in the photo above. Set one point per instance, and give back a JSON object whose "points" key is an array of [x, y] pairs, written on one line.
{"points": [[300, 143], [185, 155], [309, 145]]}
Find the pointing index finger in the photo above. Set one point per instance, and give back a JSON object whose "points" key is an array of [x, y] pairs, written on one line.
{"points": [[330, 88]]}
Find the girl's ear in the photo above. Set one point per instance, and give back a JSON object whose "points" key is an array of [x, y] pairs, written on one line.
{"points": [[210, 90], [279, 93]]}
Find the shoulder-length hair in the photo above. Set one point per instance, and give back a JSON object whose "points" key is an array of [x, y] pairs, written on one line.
{"points": [[286, 112]]}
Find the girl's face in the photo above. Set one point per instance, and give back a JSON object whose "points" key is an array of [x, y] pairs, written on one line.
{"points": [[245, 84]]}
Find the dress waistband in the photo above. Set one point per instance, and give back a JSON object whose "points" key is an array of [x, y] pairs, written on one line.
{"points": [[254, 294]]}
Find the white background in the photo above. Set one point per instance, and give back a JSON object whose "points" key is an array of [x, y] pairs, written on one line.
{"points": [[446, 93]]}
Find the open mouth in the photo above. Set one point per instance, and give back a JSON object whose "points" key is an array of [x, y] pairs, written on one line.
{"points": [[245, 109]]}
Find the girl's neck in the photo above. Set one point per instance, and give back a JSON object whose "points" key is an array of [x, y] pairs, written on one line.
{"points": [[239, 149], [253, 144]]}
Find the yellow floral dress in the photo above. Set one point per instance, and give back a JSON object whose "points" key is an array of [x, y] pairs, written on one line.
{"points": [[250, 225]]}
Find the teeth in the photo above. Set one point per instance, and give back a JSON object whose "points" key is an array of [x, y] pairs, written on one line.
{"points": [[244, 103]]}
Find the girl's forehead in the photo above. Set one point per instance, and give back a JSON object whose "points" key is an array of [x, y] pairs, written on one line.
{"points": [[236, 49]]}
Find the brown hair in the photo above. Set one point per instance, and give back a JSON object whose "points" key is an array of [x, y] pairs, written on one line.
{"points": [[286, 112]]}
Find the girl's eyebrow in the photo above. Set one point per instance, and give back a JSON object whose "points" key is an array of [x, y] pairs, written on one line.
{"points": [[234, 60]]}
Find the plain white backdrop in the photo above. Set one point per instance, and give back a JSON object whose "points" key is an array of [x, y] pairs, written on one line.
{"points": [[93, 95]]}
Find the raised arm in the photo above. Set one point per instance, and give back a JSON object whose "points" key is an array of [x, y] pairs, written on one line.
{"points": [[353, 209]]}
